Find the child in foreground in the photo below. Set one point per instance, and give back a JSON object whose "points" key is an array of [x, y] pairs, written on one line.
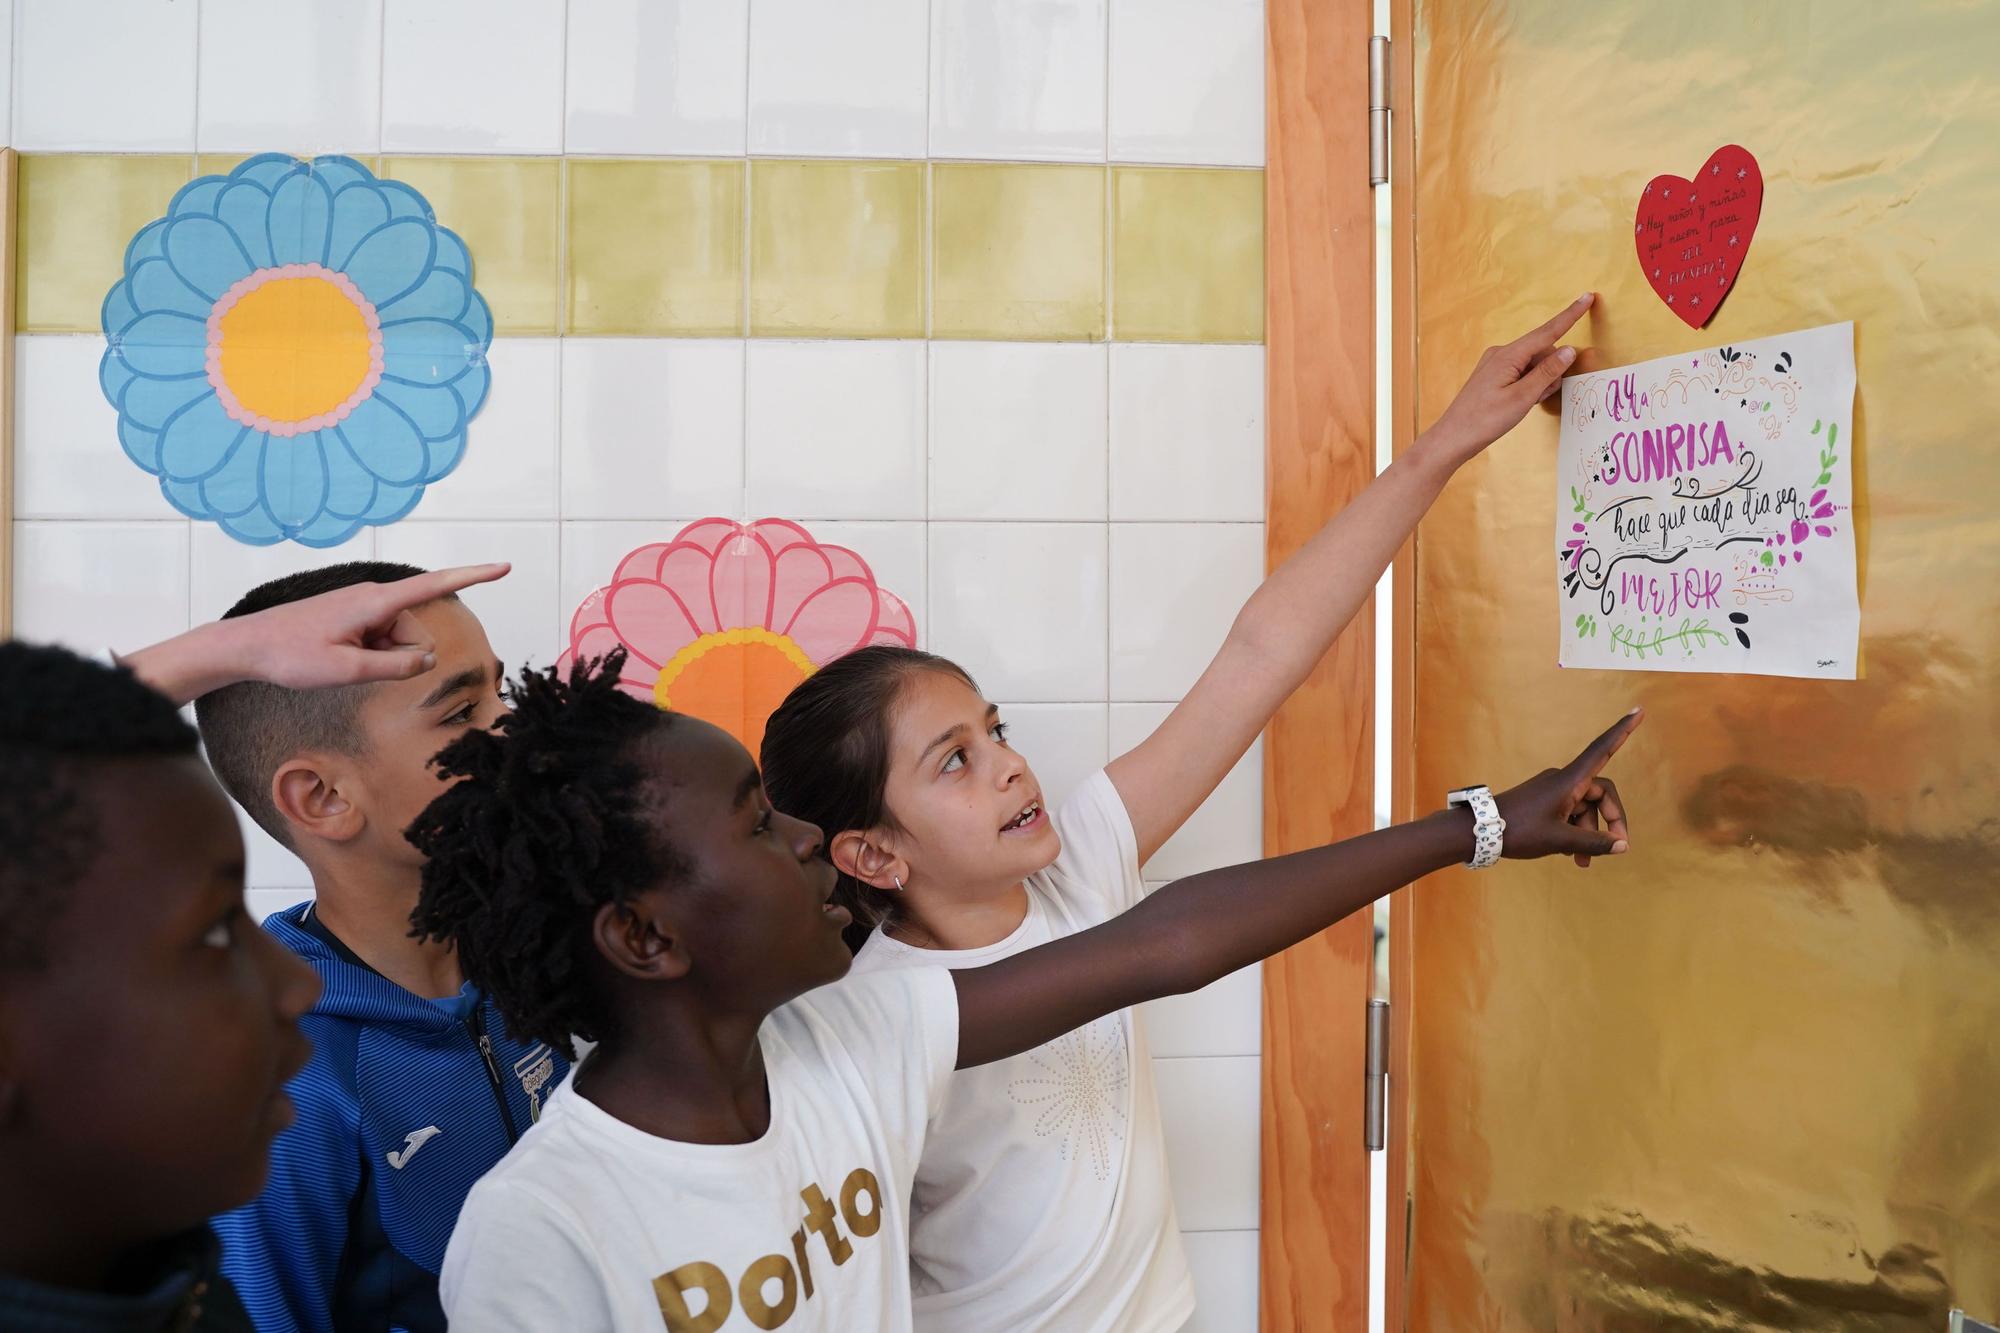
{"points": [[738, 1150], [147, 1027]]}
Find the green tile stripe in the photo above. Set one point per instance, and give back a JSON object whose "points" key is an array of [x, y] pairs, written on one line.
{"points": [[679, 247]]}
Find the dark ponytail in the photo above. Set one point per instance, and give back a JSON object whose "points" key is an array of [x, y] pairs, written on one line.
{"points": [[826, 757]]}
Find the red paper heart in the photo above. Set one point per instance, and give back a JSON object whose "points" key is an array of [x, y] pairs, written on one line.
{"points": [[1692, 235]]}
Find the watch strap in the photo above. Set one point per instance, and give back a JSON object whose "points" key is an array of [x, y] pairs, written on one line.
{"points": [[1489, 829]]}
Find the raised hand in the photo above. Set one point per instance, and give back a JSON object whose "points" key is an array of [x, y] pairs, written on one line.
{"points": [[350, 636], [1573, 810], [1508, 380]]}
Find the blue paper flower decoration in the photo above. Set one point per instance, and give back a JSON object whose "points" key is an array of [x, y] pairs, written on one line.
{"points": [[295, 350]]}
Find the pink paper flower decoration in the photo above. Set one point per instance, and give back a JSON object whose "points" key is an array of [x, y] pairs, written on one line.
{"points": [[724, 620]]}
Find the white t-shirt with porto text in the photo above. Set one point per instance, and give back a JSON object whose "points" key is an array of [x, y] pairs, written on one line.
{"points": [[590, 1223], [1042, 1200]]}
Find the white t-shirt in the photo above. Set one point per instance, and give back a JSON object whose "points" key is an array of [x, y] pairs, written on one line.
{"points": [[1042, 1199], [592, 1224]]}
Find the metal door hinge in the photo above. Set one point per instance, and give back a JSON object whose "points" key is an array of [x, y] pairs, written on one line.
{"points": [[1378, 111], [1375, 1114]]}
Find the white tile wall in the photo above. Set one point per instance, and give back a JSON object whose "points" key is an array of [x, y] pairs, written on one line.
{"points": [[1187, 432], [1187, 81], [1209, 1106], [1014, 80], [1181, 80], [651, 426], [975, 478], [1175, 589], [221, 569], [1225, 1281], [1223, 1018], [657, 76], [523, 620], [509, 466], [300, 76], [68, 463], [272, 868], [1022, 607], [846, 80], [80, 91], [263, 902], [1227, 829], [1062, 743], [7, 71], [1017, 430], [835, 429], [93, 586], [472, 76]]}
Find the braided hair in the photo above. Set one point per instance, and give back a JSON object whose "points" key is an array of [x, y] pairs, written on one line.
{"points": [[60, 716], [546, 826]]}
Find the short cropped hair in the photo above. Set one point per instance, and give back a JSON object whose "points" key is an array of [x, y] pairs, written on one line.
{"points": [[252, 727], [61, 717]]}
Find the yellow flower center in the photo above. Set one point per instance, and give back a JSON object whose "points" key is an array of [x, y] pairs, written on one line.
{"points": [[293, 349], [735, 678]]}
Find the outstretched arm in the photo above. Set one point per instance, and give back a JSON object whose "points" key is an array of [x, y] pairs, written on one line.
{"points": [[1206, 926], [346, 637], [1294, 617]]}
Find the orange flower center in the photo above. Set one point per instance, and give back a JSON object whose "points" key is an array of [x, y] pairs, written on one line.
{"points": [[735, 679]]}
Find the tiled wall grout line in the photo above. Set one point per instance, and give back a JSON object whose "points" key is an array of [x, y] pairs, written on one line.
{"points": [[14, 45], [193, 169], [743, 448], [800, 516], [589, 155], [381, 74], [560, 630], [1110, 297], [927, 231]]}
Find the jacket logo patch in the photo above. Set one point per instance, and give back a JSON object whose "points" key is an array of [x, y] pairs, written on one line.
{"points": [[534, 1070], [412, 1141]]}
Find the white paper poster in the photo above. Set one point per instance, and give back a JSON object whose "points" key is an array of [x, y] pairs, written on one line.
{"points": [[1704, 511]]}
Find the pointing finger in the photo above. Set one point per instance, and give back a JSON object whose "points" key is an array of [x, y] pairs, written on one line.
{"points": [[1538, 340], [1595, 756]]}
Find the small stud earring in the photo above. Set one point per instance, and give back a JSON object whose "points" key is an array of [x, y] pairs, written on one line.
{"points": [[897, 882]]}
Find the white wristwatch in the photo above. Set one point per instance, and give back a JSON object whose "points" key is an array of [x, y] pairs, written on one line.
{"points": [[1489, 830]]}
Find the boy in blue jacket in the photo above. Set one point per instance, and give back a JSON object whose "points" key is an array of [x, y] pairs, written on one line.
{"points": [[414, 1089]]}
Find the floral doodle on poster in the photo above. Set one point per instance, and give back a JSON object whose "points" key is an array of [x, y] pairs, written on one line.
{"points": [[724, 620], [295, 350], [1704, 511]]}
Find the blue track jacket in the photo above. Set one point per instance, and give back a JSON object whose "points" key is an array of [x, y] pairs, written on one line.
{"points": [[405, 1103]]}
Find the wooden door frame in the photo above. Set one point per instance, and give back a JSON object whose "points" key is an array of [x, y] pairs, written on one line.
{"points": [[1319, 752]]}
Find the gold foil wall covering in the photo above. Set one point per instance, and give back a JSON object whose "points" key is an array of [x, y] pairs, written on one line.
{"points": [[1749, 1076]]}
